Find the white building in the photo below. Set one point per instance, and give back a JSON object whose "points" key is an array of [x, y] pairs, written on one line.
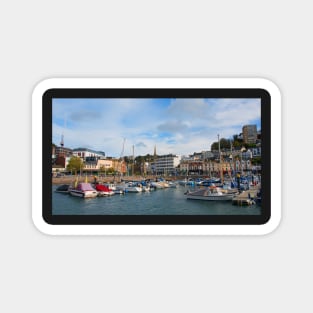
{"points": [[85, 152], [166, 164], [256, 152]]}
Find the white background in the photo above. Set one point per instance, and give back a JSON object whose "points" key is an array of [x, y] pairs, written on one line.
{"points": [[41, 273]]}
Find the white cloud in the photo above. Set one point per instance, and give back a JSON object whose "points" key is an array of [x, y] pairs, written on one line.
{"points": [[181, 127]]}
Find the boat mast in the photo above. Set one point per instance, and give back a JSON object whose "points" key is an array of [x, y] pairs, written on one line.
{"points": [[210, 165], [231, 159], [219, 151], [154, 161], [133, 160], [122, 158]]}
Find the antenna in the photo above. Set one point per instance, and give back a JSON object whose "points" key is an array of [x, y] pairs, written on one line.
{"points": [[62, 136], [121, 157], [133, 160], [122, 153], [62, 140]]}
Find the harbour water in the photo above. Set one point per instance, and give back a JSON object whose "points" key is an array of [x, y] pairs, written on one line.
{"points": [[168, 201]]}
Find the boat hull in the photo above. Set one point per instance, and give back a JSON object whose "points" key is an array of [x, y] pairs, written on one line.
{"points": [[209, 194], [157, 185], [133, 189], [210, 198], [83, 194], [105, 193], [119, 192], [63, 189]]}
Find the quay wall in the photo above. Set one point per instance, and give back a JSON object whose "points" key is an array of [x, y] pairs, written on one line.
{"points": [[108, 179]]}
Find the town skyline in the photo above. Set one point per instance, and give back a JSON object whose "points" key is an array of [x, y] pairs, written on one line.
{"points": [[177, 126]]}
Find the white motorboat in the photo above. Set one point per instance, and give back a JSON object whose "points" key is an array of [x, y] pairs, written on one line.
{"points": [[172, 184], [189, 182], [133, 187], [146, 188], [83, 190], [110, 186], [119, 191], [209, 194], [157, 185], [164, 184]]}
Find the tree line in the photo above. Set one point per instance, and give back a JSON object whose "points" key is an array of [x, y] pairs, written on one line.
{"points": [[235, 142]]}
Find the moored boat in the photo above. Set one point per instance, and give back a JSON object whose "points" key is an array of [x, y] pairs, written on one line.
{"points": [[211, 182], [118, 191], [209, 194], [157, 185], [185, 182], [83, 190], [63, 188], [110, 185], [172, 184], [104, 191], [133, 187]]}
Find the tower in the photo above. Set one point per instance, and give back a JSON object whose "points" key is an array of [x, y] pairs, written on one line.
{"points": [[61, 150], [62, 141]]}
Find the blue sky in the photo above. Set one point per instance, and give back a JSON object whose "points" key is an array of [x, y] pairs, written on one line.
{"points": [[179, 126]]}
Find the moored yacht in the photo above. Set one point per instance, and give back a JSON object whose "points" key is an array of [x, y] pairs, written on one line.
{"points": [[209, 194], [83, 190]]}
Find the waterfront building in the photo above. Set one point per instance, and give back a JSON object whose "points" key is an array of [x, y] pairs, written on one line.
{"points": [[192, 167], [206, 155], [119, 166], [256, 152], [247, 154], [53, 152], [244, 165], [206, 167], [61, 156], [104, 164], [214, 168], [166, 164], [85, 153], [99, 165], [62, 151], [249, 134], [91, 164], [60, 164], [57, 169]]}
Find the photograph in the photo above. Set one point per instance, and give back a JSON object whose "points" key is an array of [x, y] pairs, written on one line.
{"points": [[156, 156]]}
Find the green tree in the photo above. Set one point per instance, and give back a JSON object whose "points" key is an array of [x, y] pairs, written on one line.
{"points": [[256, 161], [139, 159], [250, 145], [237, 144], [102, 169], [224, 143], [214, 146], [110, 171], [75, 164]]}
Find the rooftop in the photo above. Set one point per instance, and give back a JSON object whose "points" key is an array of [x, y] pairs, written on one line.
{"points": [[89, 150]]}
